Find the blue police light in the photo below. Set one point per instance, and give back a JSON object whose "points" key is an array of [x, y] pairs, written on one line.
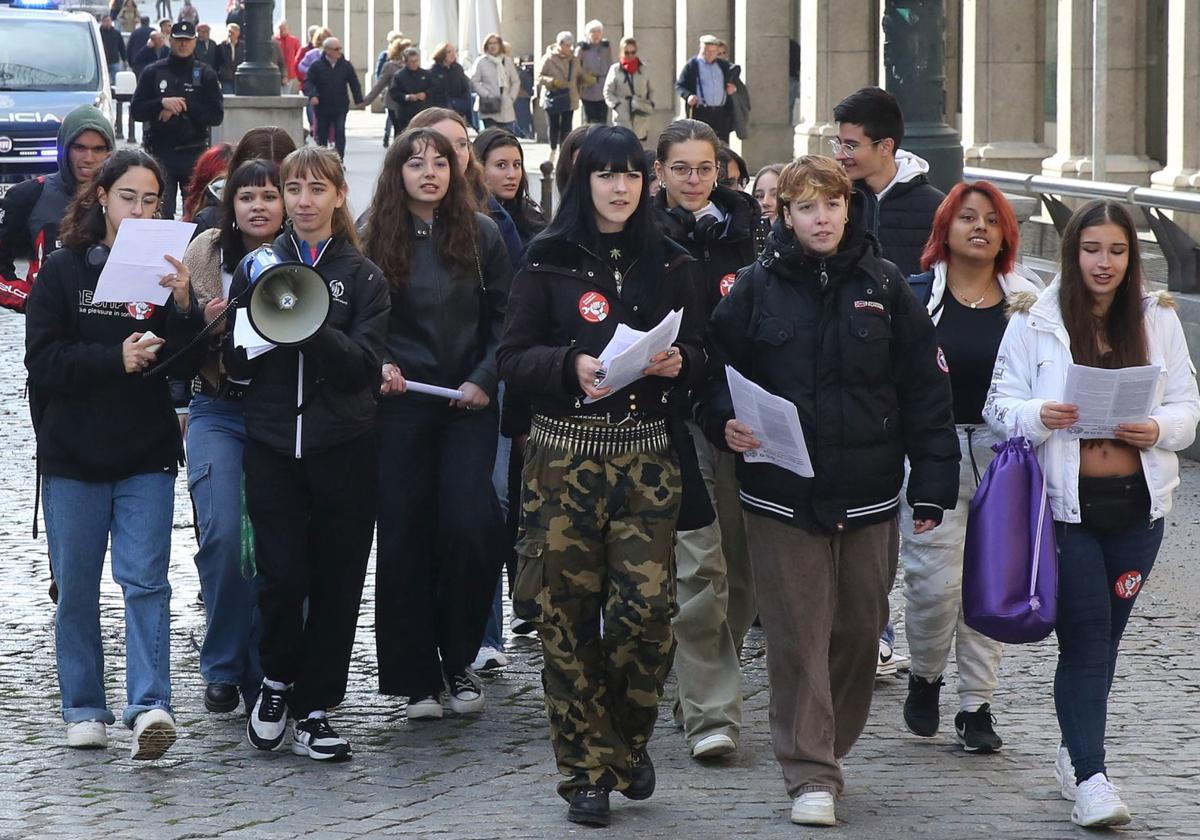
{"points": [[35, 4]]}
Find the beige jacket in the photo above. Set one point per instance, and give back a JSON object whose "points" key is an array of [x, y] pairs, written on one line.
{"points": [[557, 69]]}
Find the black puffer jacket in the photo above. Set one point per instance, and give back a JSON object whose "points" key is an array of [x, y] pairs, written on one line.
{"points": [[722, 248], [845, 340], [901, 221], [335, 377]]}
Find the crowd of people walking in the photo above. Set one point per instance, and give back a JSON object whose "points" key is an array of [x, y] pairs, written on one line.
{"points": [[636, 528]]}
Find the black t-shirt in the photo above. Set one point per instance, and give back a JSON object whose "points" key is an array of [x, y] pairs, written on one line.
{"points": [[970, 339]]}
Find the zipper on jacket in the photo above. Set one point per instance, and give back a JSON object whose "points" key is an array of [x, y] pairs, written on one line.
{"points": [[300, 356]]}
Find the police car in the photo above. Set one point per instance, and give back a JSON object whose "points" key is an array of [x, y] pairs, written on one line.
{"points": [[50, 63]]}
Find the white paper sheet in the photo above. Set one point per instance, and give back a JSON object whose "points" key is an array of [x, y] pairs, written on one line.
{"points": [[628, 352], [135, 264], [774, 422], [244, 335], [434, 390], [1107, 398]]}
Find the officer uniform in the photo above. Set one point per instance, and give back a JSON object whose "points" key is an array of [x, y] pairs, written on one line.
{"points": [[601, 496], [178, 141]]}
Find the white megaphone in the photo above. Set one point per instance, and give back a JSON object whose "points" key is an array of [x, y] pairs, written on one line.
{"points": [[289, 301]]}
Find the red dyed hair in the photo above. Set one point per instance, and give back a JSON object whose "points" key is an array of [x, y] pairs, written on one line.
{"points": [[937, 249], [209, 166]]}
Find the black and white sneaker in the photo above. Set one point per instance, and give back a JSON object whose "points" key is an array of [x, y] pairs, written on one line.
{"points": [[974, 730], [268, 719], [315, 738], [466, 693]]}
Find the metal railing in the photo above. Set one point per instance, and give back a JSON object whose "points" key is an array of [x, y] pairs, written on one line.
{"points": [[1179, 249]]}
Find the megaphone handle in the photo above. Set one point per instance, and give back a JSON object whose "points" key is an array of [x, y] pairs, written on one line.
{"points": [[200, 336]]}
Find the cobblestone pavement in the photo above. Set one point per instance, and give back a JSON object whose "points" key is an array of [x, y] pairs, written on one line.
{"points": [[493, 776]]}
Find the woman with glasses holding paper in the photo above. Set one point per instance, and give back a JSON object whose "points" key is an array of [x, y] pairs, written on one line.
{"points": [[251, 215], [823, 322], [602, 484], [1109, 495], [440, 529], [108, 449]]}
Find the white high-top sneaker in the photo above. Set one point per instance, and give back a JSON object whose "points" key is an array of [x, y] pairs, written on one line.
{"points": [[1098, 803], [1064, 772]]}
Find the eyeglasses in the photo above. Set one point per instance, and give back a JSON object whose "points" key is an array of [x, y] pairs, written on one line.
{"points": [[848, 149], [683, 172]]}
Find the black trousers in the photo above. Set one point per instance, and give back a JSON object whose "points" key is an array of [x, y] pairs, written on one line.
{"points": [[335, 122], [595, 111], [441, 542], [559, 127], [720, 118], [177, 174], [313, 519]]}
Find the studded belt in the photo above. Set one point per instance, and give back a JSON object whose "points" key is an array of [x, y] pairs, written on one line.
{"points": [[597, 437]]}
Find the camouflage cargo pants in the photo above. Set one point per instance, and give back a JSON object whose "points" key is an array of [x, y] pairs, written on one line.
{"points": [[596, 575]]}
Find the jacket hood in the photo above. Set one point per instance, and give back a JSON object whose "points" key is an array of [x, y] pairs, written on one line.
{"points": [[740, 209], [908, 168], [1013, 284], [1045, 302], [81, 119], [783, 249]]}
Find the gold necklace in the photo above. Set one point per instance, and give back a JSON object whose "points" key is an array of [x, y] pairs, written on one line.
{"points": [[963, 300]]}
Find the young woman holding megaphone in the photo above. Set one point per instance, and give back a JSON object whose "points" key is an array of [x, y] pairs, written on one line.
{"points": [[310, 460], [440, 528]]}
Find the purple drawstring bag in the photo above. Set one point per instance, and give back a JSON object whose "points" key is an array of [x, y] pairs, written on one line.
{"points": [[1010, 562]]}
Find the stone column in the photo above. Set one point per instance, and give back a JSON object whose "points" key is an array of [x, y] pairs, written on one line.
{"points": [[359, 44], [653, 25], [609, 12], [1125, 134], [761, 39], [549, 18], [516, 27], [1183, 88], [1002, 82], [839, 43]]}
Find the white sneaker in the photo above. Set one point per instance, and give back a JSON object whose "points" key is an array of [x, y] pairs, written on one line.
{"points": [[711, 746], [425, 708], [466, 693], [814, 808], [489, 659], [890, 661], [153, 735], [1064, 773], [1098, 803], [87, 735]]}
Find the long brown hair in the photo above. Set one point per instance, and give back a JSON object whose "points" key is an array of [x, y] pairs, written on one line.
{"points": [[323, 163], [474, 172], [389, 229], [1122, 327], [83, 224]]}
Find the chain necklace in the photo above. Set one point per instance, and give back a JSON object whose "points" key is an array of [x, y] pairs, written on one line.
{"points": [[963, 300]]}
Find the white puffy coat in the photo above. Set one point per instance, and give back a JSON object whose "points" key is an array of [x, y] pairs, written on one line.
{"points": [[1031, 370]]}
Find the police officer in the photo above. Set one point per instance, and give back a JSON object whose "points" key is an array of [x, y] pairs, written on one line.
{"points": [[179, 99]]}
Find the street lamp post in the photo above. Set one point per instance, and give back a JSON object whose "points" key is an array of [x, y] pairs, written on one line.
{"points": [[257, 75], [914, 57]]}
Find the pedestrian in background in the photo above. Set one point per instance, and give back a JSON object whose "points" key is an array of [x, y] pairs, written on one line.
{"points": [[128, 20], [108, 450], [440, 529], [1109, 496], [496, 83], [705, 84], [449, 86], [602, 482], [162, 8], [765, 190], [383, 84], [558, 79], [312, 476], [156, 49], [189, 13], [288, 45], [230, 53], [595, 58], [179, 100], [138, 39], [206, 50], [629, 93], [329, 78], [410, 89]]}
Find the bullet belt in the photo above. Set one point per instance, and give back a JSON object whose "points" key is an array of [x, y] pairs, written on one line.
{"points": [[596, 437], [227, 390]]}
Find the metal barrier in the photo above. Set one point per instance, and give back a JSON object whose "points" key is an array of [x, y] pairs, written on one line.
{"points": [[1179, 249]]}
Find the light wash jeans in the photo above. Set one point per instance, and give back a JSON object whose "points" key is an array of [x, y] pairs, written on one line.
{"points": [[80, 516], [216, 434]]}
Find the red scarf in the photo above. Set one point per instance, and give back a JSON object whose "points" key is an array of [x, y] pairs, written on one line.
{"points": [[631, 65]]}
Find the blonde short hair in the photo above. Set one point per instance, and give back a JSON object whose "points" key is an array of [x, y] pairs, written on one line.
{"points": [[813, 176]]}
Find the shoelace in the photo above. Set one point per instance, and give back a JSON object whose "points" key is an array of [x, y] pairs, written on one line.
{"points": [[319, 727], [460, 683], [1100, 791], [272, 704]]}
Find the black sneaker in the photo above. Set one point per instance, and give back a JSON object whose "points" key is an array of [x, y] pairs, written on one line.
{"points": [[974, 730], [315, 738], [921, 714], [268, 720], [589, 806], [466, 693], [641, 776]]}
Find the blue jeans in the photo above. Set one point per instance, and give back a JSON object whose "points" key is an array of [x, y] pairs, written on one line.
{"points": [[216, 434], [1092, 567], [80, 515]]}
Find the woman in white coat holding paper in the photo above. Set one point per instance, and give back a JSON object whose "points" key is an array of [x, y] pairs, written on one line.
{"points": [[1109, 496]]}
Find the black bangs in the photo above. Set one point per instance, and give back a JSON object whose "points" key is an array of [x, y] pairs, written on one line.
{"points": [[254, 173], [608, 149]]}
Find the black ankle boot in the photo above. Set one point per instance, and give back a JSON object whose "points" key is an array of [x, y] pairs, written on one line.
{"points": [[220, 697], [589, 806], [641, 772]]}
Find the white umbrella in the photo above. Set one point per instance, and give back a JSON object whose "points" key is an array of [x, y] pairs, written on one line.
{"points": [[439, 22], [477, 19]]}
